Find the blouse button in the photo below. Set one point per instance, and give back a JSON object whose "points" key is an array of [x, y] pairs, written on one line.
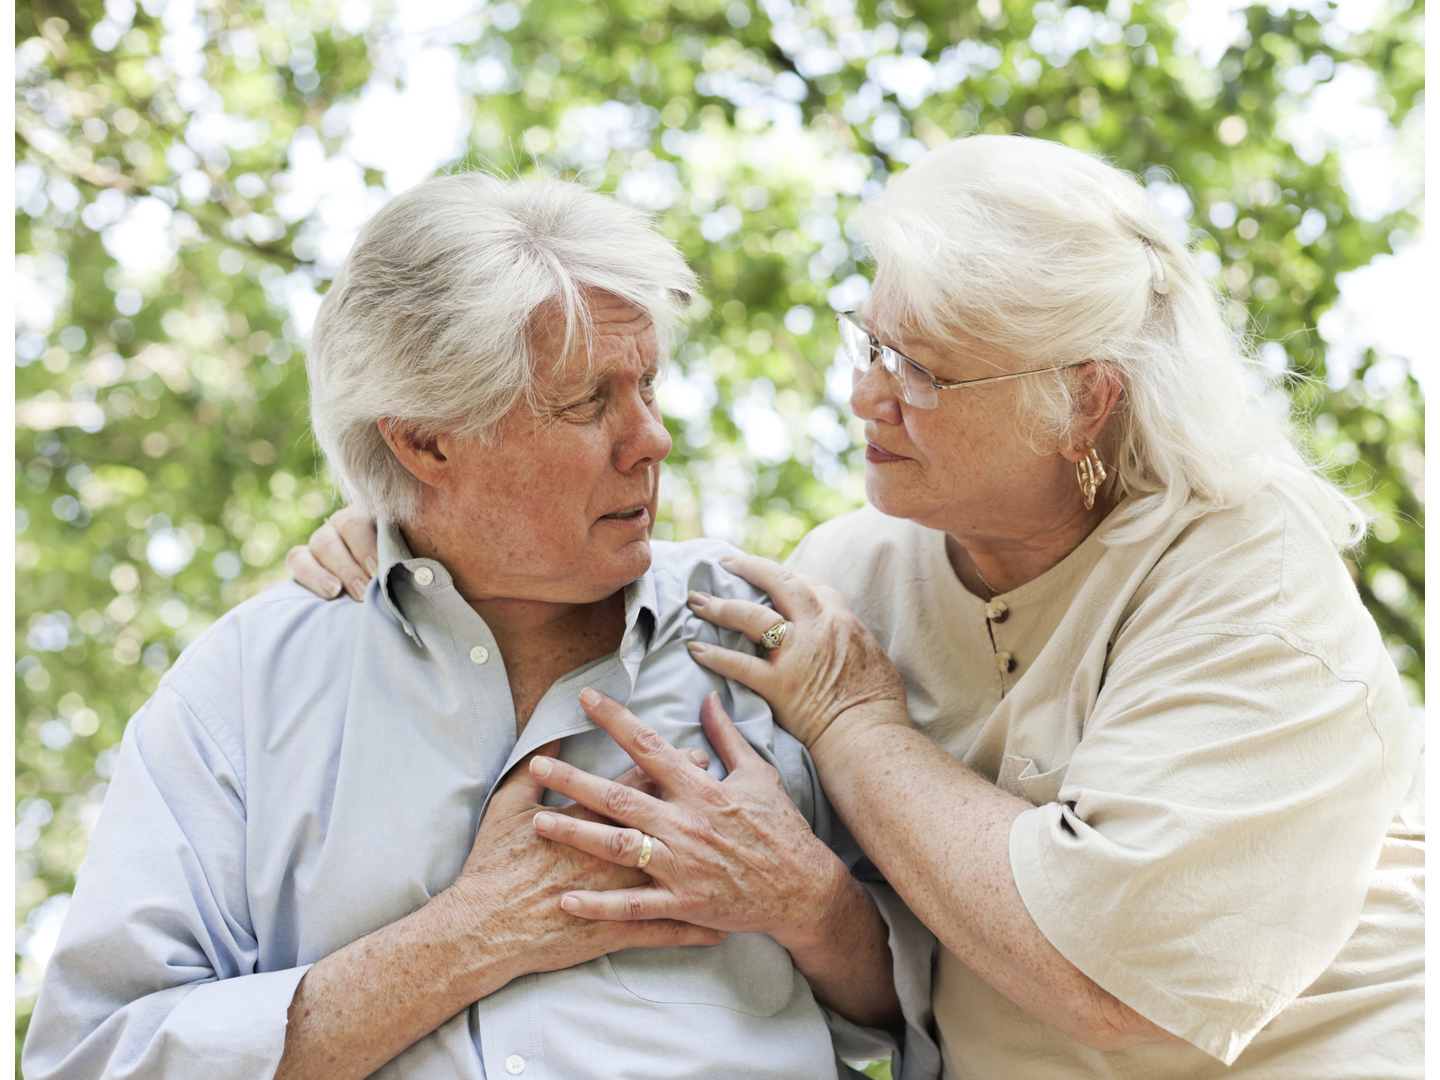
{"points": [[1005, 662], [997, 611], [479, 654], [424, 576], [514, 1064]]}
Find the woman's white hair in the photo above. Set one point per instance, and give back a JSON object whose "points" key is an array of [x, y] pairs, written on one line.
{"points": [[430, 320], [1050, 255]]}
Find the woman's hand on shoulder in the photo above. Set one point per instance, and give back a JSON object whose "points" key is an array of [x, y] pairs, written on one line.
{"points": [[827, 666], [341, 557]]}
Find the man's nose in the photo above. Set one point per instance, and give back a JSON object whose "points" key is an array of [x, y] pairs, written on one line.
{"points": [[645, 441]]}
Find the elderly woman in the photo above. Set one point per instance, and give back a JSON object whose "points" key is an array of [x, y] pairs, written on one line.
{"points": [[1145, 768], [309, 863]]}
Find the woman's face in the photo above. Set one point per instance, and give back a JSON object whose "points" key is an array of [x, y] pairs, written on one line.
{"points": [[964, 467]]}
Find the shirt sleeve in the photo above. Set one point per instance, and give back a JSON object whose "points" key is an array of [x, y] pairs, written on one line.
{"points": [[1215, 830], [154, 973]]}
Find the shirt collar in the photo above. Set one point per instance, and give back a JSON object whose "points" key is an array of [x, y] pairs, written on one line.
{"points": [[396, 562]]}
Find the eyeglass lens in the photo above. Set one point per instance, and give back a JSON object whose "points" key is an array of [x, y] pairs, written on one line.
{"points": [[915, 385]]}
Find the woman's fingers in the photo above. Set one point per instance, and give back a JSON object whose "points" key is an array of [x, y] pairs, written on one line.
{"points": [[750, 619], [792, 594], [739, 667], [623, 847], [305, 569], [329, 550], [357, 530]]}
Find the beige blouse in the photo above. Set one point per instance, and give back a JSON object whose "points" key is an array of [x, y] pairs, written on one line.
{"points": [[1228, 831]]}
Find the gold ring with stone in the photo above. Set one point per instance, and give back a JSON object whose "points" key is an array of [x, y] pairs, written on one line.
{"points": [[646, 850], [772, 638]]}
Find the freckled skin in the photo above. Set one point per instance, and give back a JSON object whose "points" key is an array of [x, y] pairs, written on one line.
{"points": [[521, 520], [967, 469]]}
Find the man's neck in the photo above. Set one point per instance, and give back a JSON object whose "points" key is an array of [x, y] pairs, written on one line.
{"points": [[539, 640]]}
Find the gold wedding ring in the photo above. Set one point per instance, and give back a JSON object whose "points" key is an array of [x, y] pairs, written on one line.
{"points": [[645, 852], [772, 638]]}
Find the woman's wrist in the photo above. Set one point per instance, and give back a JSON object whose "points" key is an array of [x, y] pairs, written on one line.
{"points": [[852, 726]]}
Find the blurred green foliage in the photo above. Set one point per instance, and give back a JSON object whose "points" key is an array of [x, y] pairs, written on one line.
{"points": [[163, 460]]}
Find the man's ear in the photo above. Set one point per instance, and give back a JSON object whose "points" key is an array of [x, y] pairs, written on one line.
{"points": [[1098, 396], [422, 457]]}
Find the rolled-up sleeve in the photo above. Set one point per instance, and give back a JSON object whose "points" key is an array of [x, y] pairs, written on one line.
{"points": [[1215, 830], [154, 974]]}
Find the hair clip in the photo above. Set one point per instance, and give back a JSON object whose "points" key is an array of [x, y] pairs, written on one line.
{"points": [[1157, 270]]}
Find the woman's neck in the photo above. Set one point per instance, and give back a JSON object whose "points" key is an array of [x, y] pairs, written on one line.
{"points": [[988, 564]]}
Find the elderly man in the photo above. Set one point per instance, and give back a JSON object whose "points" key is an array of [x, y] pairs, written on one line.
{"points": [[287, 879]]}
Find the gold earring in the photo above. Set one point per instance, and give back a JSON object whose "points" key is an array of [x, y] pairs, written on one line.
{"points": [[1090, 472]]}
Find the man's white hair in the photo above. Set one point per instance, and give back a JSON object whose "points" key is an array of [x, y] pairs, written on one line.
{"points": [[430, 320], [1051, 255]]}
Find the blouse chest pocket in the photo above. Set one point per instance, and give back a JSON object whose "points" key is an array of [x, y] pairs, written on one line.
{"points": [[746, 973], [1020, 776]]}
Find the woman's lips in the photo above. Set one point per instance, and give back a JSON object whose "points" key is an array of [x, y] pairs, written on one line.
{"points": [[877, 456]]}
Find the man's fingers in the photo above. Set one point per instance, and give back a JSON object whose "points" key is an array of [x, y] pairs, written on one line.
{"points": [[623, 847], [331, 552], [605, 797], [623, 905], [521, 790], [636, 778], [660, 761], [734, 751], [748, 618], [305, 569], [358, 532], [662, 933]]}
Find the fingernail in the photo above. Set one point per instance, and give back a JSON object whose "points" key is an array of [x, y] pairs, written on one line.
{"points": [[544, 822], [695, 647], [725, 559], [331, 586], [570, 904], [589, 697], [357, 589], [698, 599], [541, 766], [371, 565], [700, 758]]}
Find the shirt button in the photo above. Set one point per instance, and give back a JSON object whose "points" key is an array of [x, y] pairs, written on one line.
{"points": [[997, 611], [1005, 662], [424, 576], [479, 654], [514, 1064]]}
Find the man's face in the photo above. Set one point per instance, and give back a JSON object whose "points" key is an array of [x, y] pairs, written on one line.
{"points": [[559, 506]]}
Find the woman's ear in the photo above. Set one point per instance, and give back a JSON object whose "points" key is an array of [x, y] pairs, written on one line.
{"points": [[1097, 396], [422, 457]]}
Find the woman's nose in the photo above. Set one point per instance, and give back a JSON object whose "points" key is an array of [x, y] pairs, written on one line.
{"points": [[874, 395]]}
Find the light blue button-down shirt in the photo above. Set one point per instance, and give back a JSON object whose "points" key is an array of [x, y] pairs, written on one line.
{"points": [[309, 772]]}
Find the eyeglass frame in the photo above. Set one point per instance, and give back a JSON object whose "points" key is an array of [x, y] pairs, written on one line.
{"points": [[936, 383]]}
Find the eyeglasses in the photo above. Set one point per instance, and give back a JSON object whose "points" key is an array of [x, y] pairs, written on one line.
{"points": [[918, 384]]}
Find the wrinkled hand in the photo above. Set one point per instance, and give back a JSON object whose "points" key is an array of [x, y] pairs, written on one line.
{"points": [[341, 550], [827, 666], [510, 888], [735, 854]]}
